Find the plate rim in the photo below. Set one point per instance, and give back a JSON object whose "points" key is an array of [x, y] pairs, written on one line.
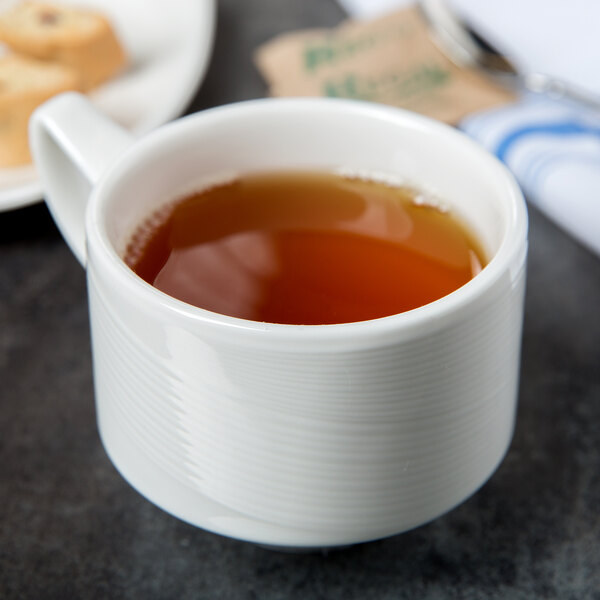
{"points": [[205, 13]]}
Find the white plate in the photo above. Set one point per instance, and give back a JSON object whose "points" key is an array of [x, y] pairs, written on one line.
{"points": [[169, 46]]}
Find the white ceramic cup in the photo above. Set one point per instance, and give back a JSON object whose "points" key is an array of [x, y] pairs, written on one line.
{"points": [[282, 434]]}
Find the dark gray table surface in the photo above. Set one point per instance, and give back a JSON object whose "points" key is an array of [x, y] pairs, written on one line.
{"points": [[71, 527]]}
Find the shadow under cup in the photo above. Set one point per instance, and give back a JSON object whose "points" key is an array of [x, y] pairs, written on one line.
{"points": [[306, 435]]}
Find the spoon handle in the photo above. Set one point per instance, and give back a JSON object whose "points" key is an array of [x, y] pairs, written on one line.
{"points": [[559, 89]]}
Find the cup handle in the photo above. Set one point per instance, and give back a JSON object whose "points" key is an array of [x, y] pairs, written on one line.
{"points": [[72, 144]]}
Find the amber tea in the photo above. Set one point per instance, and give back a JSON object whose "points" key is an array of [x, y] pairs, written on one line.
{"points": [[305, 248]]}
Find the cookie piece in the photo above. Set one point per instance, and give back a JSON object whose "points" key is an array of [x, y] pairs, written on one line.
{"points": [[74, 37], [24, 84]]}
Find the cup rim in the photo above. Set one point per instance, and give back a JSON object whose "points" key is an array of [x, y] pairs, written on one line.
{"points": [[427, 316]]}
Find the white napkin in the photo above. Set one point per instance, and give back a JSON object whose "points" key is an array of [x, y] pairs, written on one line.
{"points": [[369, 9], [551, 146], [553, 149]]}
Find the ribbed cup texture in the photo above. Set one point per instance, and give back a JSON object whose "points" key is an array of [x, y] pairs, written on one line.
{"points": [[370, 441]]}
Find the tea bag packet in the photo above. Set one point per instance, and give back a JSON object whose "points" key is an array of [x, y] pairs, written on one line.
{"points": [[552, 146], [391, 60]]}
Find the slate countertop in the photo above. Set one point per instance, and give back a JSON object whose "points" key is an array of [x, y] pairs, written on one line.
{"points": [[71, 527]]}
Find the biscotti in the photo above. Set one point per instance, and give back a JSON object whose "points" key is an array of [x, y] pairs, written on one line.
{"points": [[74, 37], [24, 84]]}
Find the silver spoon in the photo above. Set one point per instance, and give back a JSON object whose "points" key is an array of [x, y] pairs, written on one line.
{"points": [[466, 47]]}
